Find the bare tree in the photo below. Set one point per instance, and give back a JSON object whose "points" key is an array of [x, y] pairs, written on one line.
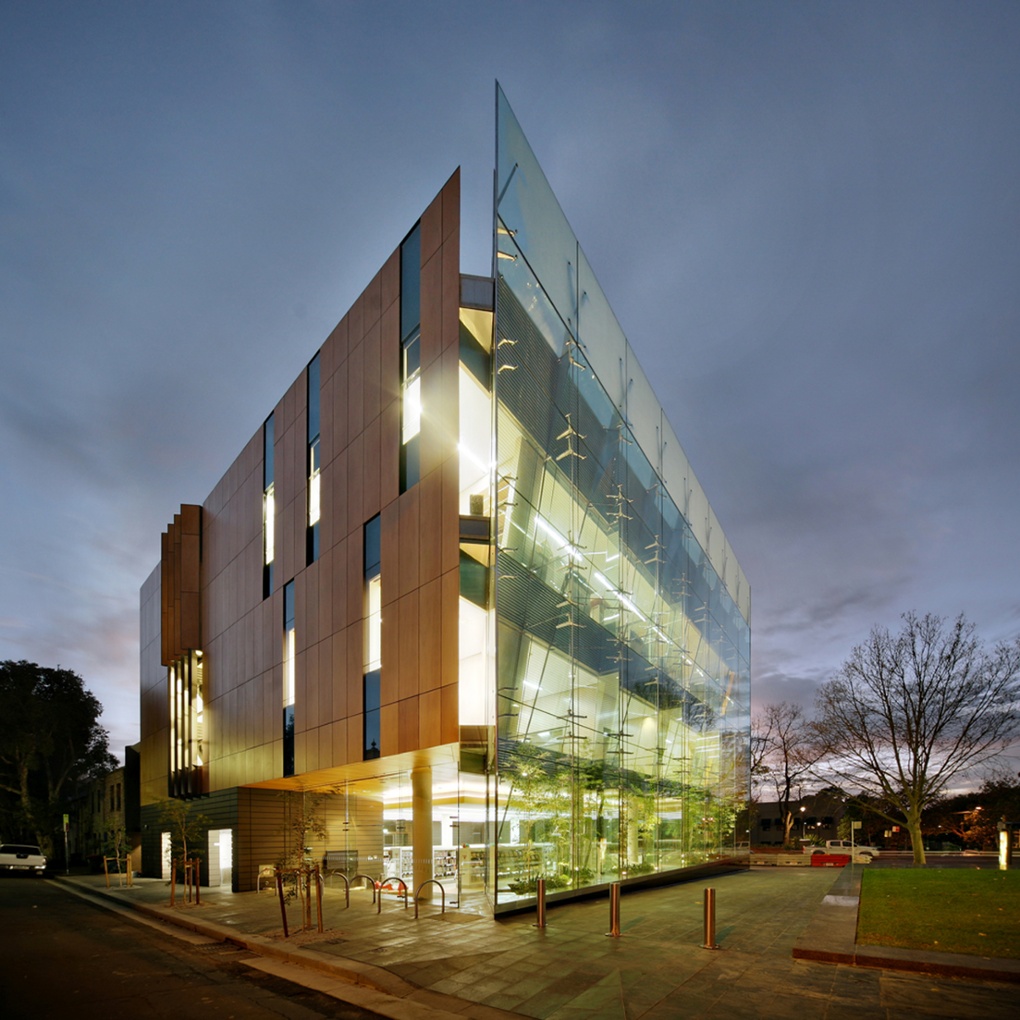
{"points": [[784, 750], [909, 712]]}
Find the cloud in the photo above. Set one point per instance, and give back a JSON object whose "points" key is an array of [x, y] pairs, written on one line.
{"points": [[805, 222]]}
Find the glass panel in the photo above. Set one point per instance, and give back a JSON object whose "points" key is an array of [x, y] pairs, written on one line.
{"points": [[269, 524], [475, 446], [474, 665], [622, 709], [411, 409], [313, 398], [373, 623], [268, 448], [268, 508], [288, 644], [372, 716], [530, 217], [372, 553], [601, 336], [410, 282], [314, 486]]}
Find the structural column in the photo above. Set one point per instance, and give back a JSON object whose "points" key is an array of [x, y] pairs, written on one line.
{"points": [[421, 827]]}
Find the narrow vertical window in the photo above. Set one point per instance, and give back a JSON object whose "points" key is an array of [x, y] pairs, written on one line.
{"points": [[410, 359], [268, 509], [373, 640], [314, 464], [187, 725], [289, 644]]}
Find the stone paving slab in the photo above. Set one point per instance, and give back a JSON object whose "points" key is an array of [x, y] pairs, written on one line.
{"points": [[495, 970]]}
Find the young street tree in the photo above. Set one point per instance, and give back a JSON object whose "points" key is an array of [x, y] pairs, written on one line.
{"points": [[50, 740], [909, 712], [784, 749], [186, 827]]}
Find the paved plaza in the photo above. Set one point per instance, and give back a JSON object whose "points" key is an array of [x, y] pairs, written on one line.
{"points": [[462, 964]]}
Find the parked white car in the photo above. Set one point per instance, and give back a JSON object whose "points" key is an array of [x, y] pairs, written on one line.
{"points": [[22, 857], [859, 854]]}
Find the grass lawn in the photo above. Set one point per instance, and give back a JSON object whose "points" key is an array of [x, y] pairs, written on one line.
{"points": [[951, 910]]}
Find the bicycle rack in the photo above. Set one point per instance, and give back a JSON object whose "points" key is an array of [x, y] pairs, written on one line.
{"points": [[383, 882], [368, 878], [347, 886], [432, 881]]}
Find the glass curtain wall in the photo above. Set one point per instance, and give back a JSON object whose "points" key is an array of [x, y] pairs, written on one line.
{"points": [[365, 827], [623, 661]]}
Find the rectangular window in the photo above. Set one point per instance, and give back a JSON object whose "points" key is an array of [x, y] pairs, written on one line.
{"points": [[314, 464], [411, 388], [268, 509], [373, 641], [474, 443], [289, 646], [187, 734], [373, 714], [410, 359]]}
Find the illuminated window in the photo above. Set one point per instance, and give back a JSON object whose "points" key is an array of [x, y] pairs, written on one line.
{"points": [[268, 509], [410, 359], [474, 444], [411, 405], [187, 726], [314, 463], [373, 641], [289, 644]]}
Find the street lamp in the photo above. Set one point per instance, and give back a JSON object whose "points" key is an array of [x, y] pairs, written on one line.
{"points": [[802, 810]]}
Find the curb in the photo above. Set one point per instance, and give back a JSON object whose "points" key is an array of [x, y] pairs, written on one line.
{"points": [[370, 987], [830, 937]]}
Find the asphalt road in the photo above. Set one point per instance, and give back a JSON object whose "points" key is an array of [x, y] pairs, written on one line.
{"points": [[60, 956]]}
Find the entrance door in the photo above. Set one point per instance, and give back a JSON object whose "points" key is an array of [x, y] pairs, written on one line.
{"points": [[221, 851]]}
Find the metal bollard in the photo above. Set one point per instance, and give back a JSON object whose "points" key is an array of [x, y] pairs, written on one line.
{"points": [[709, 942], [540, 904], [614, 911]]}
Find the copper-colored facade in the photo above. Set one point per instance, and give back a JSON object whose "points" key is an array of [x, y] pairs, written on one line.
{"points": [[180, 600], [214, 602]]}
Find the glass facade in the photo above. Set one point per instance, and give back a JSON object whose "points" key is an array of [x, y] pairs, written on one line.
{"points": [[622, 655]]}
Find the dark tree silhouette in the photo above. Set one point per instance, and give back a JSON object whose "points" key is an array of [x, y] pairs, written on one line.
{"points": [[50, 739]]}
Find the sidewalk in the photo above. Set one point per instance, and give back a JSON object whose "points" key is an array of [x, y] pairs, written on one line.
{"points": [[463, 965]]}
